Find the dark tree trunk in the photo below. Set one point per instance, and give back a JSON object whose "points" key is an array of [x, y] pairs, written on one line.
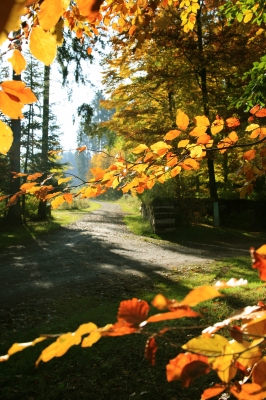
{"points": [[42, 209], [14, 212]]}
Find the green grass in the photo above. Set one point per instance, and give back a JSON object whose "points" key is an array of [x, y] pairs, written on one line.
{"points": [[13, 235], [115, 368]]}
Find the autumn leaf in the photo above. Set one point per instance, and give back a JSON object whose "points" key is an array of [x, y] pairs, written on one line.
{"points": [[27, 186], [261, 113], [16, 347], [120, 328], [232, 122], [172, 134], [91, 339], [51, 11], [17, 61], [203, 139], [18, 90], [11, 11], [191, 163], [34, 176], [217, 125], [90, 8], [160, 148], [42, 45], [180, 312], [133, 311], [259, 261], [202, 121], [249, 155], [248, 16], [81, 149], [63, 180], [68, 197], [248, 391], [140, 148], [186, 367], [150, 350], [182, 120], [196, 152], [200, 294], [259, 373], [6, 138], [57, 201], [212, 391], [183, 143]]}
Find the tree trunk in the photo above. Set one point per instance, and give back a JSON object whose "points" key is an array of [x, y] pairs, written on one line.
{"points": [[42, 209], [14, 212], [205, 100]]}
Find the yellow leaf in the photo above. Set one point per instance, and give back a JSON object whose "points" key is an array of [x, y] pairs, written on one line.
{"points": [[17, 61], [198, 131], [183, 143], [57, 201], [207, 346], [91, 339], [42, 45], [196, 152], [223, 365], [6, 138], [10, 107], [233, 137], [251, 127], [62, 180], [84, 329], [182, 120], [172, 134], [202, 120], [140, 148], [160, 148], [16, 347], [248, 17], [11, 11], [51, 11], [217, 126]]}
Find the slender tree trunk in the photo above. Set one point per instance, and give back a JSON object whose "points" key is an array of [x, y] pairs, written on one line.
{"points": [[14, 212], [42, 212], [205, 100]]}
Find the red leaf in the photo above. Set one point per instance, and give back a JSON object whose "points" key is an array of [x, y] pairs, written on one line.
{"points": [[120, 328], [249, 155], [150, 350], [254, 109], [259, 263], [133, 311]]}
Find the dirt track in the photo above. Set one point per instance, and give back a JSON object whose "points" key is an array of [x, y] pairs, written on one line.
{"points": [[95, 253]]}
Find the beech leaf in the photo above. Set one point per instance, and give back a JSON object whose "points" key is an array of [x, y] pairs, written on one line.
{"points": [[133, 311], [17, 61], [182, 120], [6, 137], [42, 45], [200, 294]]}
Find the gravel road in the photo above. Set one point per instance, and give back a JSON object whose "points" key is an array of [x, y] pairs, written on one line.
{"points": [[95, 253]]}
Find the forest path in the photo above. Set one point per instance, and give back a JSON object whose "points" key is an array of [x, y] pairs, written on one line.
{"points": [[95, 254]]}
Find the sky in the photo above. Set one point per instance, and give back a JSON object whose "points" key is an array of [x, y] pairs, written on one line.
{"points": [[65, 109]]}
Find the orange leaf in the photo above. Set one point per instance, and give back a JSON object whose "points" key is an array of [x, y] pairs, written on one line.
{"points": [[175, 171], [191, 163], [34, 176], [182, 120], [187, 367], [213, 391], [90, 8], [133, 311], [150, 350], [27, 186], [254, 109], [132, 30], [232, 122], [68, 197], [89, 50], [80, 149], [248, 391], [180, 312], [259, 262], [10, 107], [233, 137], [249, 155], [259, 373], [203, 139], [120, 328], [19, 90], [200, 294], [172, 134], [198, 131], [261, 113]]}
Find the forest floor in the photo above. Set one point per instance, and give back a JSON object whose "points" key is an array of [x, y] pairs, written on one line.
{"points": [[94, 256]]}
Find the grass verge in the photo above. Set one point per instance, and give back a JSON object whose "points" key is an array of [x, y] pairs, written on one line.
{"points": [[14, 235], [114, 368]]}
